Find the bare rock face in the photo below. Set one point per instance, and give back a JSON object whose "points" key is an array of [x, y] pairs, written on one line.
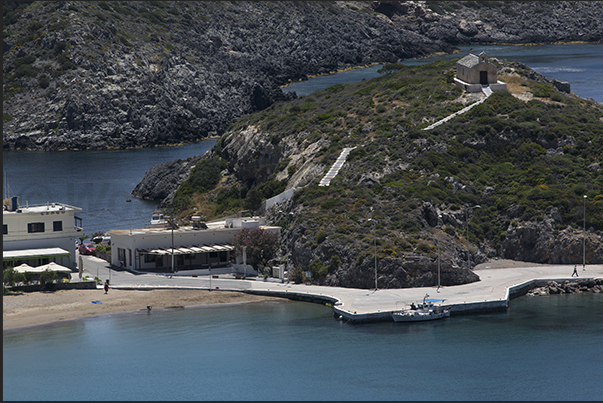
{"points": [[563, 86], [162, 180], [540, 243]]}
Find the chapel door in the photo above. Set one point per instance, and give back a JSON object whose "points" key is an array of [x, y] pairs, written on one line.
{"points": [[483, 77]]}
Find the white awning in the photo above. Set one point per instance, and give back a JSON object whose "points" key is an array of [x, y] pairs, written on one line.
{"points": [[33, 253], [181, 250]]}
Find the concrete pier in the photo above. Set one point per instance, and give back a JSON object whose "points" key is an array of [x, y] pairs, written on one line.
{"points": [[500, 281]]}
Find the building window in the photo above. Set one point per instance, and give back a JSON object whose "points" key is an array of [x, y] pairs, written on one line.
{"points": [[57, 225], [121, 256], [35, 227], [4, 229], [149, 258]]}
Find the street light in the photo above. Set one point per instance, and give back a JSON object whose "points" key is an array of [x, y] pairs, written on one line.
{"points": [[375, 241], [467, 235], [438, 245], [584, 237]]}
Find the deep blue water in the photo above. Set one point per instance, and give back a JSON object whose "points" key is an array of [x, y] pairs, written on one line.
{"points": [[579, 64], [100, 182], [542, 348]]}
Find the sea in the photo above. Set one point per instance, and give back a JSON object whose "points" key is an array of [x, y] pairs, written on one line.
{"points": [[542, 348]]}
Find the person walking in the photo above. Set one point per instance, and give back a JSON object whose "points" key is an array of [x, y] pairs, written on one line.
{"points": [[106, 286], [575, 271]]}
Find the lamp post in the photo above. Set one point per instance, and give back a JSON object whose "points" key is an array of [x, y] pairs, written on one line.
{"points": [[467, 235], [584, 237], [438, 246], [375, 242]]}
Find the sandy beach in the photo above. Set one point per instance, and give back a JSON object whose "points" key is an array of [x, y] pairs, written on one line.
{"points": [[37, 308]]}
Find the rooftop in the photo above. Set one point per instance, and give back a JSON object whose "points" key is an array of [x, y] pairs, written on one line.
{"points": [[41, 208], [254, 222], [469, 61]]}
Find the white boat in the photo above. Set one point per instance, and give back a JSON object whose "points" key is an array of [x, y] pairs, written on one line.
{"points": [[157, 220], [425, 310]]}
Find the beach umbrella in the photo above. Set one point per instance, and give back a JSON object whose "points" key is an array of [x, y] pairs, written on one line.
{"points": [[22, 268], [54, 267]]}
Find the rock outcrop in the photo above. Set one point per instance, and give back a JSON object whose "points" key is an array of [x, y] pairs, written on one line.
{"points": [[569, 287]]}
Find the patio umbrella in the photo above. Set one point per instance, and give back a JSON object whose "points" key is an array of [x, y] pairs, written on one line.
{"points": [[22, 268]]}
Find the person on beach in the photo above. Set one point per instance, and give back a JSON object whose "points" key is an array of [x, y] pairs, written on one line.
{"points": [[106, 286], [575, 271]]}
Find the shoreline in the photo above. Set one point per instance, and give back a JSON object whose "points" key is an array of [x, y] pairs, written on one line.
{"points": [[25, 310]]}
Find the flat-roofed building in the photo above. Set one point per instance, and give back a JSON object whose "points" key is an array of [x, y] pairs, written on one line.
{"points": [[39, 234], [198, 246]]}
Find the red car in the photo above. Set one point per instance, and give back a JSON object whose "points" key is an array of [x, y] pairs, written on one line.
{"points": [[87, 249]]}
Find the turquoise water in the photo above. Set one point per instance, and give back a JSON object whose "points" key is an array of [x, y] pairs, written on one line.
{"points": [[542, 348]]}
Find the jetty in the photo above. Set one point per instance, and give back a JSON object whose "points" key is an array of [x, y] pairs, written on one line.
{"points": [[500, 282]]}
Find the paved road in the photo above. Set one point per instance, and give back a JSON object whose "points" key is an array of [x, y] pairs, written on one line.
{"points": [[492, 288]]}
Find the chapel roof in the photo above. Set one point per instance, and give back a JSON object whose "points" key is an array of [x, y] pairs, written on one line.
{"points": [[469, 61]]}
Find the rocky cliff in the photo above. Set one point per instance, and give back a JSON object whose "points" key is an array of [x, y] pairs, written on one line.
{"points": [[95, 75]]}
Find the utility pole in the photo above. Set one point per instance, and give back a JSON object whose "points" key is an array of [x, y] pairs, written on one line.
{"points": [[439, 264], [375, 242], [467, 235], [584, 237]]}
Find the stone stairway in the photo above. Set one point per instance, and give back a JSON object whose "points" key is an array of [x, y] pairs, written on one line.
{"points": [[326, 181], [485, 89]]}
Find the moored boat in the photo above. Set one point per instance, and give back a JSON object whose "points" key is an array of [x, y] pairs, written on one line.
{"points": [[426, 310]]}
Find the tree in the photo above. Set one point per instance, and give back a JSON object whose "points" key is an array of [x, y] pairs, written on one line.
{"points": [[10, 276], [83, 238], [47, 278], [261, 245]]}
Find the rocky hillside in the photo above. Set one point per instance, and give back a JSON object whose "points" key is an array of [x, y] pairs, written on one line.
{"points": [[505, 180], [95, 75]]}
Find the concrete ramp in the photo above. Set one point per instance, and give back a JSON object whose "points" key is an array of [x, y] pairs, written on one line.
{"points": [[326, 180]]}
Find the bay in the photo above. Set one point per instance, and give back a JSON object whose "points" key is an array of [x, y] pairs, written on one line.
{"points": [[100, 182], [580, 64], [542, 348]]}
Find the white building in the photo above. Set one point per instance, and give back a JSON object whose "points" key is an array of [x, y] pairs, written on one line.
{"points": [[39, 234], [198, 246]]}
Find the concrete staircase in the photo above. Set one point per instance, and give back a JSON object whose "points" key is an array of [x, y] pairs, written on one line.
{"points": [[326, 181], [485, 89]]}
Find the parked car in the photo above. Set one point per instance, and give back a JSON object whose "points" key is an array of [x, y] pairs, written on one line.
{"points": [[87, 249], [102, 240]]}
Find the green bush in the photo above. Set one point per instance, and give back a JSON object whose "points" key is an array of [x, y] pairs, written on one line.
{"points": [[203, 177]]}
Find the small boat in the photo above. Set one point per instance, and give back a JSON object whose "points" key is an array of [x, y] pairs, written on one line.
{"points": [[157, 220], [425, 310]]}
